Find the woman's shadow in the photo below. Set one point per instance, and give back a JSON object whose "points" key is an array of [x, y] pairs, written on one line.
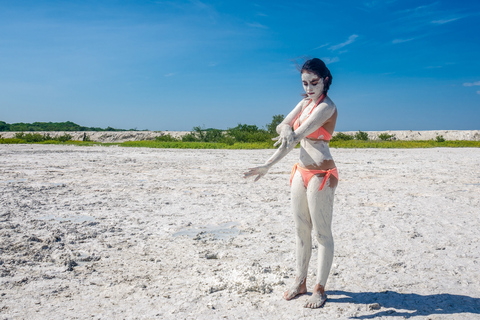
{"points": [[407, 304]]}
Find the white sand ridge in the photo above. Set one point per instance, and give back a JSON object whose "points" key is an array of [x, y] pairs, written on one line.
{"points": [[122, 136]]}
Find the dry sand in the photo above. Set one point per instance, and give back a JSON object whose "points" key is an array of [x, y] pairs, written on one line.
{"points": [[130, 233]]}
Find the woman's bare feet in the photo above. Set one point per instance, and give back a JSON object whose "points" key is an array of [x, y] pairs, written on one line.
{"points": [[297, 289], [317, 299]]}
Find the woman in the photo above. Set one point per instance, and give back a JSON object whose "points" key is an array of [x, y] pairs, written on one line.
{"points": [[314, 178]]}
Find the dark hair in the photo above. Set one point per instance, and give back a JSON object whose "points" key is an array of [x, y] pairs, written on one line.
{"points": [[318, 67]]}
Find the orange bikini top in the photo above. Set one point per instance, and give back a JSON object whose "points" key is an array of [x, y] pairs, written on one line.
{"points": [[320, 133]]}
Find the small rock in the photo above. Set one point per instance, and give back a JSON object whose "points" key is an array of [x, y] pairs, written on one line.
{"points": [[210, 255], [35, 239], [70, 264], [374, 306]]}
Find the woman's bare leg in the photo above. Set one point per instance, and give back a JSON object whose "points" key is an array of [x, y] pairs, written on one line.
{"points": [[303, 235], [320, 203]]}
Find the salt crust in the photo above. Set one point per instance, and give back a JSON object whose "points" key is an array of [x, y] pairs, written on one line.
{"points": [[134, 233]]}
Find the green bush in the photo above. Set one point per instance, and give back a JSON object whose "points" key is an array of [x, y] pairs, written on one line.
{"points": [[440, 139], [63, 138], [360, 135], [30, 137], [340, 136], [189, 137], [11, 141], [37, 137], [166, 138], [386, 136], [249, 133], [204, 135], [242, 133]]}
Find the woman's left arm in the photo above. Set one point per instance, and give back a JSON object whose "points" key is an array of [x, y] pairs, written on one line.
{"points": [[319, 116]]}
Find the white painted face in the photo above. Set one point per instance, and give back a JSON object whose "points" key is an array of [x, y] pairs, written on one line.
{"points": [[312, 84]]}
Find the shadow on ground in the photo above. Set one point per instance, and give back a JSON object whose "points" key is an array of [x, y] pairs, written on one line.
{"points": [[408, 304]]}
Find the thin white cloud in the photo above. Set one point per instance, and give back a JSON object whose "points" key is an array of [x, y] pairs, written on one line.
{"points": [[395, 41], [170, 74], [471, 84], [330, 60], [257, 25], [478, 92], [350, 40], [424, 8], [443, 21], [322, 46]]}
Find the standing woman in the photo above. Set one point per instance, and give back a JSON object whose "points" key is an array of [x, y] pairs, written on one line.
{"points": [[314, 178]]}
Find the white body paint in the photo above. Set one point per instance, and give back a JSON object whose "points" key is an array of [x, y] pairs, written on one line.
{"points": [[313, 152], [312, 208]]}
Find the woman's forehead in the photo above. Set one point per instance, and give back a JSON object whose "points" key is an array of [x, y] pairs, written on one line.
{"points": [[309, 76]]}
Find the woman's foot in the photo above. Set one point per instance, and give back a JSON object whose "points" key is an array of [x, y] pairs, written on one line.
{"points": [[317, 299], [297, 289]]}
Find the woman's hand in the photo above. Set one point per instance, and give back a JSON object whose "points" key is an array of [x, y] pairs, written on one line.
{"points": [[260, 171], [286, 137]]}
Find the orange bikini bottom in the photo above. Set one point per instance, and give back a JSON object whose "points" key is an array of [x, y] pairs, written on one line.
{"points": [[307, 174]]}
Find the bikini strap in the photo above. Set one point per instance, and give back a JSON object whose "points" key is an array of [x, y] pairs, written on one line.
{"points": [[294, 169], [322, 97]]}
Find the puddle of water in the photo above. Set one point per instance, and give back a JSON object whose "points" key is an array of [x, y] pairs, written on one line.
{"points": [[76, 219], [221, 232]]}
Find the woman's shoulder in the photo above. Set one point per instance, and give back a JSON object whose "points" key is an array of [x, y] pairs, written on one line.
{"points": [[326, 106], [329, 103]]}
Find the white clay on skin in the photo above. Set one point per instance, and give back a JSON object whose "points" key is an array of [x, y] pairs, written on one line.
{"points": [[313, 85], [314, 152], [312, 208]]}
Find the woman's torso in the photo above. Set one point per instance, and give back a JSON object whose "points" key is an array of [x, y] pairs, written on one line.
{"points": [[315, 153]]}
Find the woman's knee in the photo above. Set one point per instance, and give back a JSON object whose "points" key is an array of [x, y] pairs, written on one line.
{"points": [[324, 238]]}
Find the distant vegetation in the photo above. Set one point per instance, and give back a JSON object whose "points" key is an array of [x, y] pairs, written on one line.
{"points": [[242, 136], [37, 137], [50, 126], [386, 136], [242, 133]]}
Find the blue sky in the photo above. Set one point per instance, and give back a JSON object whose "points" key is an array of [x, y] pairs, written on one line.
{"points": [[173, 65]]}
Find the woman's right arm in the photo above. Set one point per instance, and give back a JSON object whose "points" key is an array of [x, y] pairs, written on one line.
{"points": [[286, 141], [284, 129]]}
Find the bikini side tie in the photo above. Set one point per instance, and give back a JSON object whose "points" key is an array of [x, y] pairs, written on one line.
{"points": [[311, 172]]}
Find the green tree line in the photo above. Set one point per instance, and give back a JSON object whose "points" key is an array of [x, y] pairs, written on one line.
{"points": [[50, 126]]}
